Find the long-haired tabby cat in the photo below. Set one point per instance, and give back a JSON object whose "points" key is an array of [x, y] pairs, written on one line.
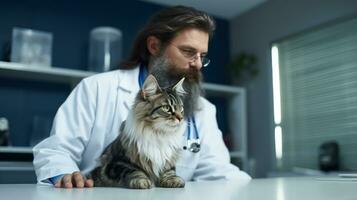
{"points": [[145, 152]]}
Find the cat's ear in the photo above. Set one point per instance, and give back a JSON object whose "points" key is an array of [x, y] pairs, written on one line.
{"points": [[179, 88], [150, 87]]}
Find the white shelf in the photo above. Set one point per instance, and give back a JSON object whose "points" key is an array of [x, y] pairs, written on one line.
{"points": [[222, 90], [236, 99], [51, 74], [71, 76], [16, 166], [15, 149], [239, 154]]}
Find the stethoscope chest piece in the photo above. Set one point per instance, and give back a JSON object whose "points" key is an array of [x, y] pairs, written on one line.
{"points": [[194, 145]]}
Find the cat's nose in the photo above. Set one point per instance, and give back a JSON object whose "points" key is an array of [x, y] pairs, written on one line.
{"points": [[178, 116]]}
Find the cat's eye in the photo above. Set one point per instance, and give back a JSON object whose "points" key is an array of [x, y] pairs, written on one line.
{"points": [[165, 108]]}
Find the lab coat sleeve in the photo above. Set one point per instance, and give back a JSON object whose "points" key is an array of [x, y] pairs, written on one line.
{"points": [[214, 160], [61, 152]]}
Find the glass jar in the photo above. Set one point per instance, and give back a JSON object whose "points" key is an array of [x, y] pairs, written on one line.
{"points": [[105, 49]]}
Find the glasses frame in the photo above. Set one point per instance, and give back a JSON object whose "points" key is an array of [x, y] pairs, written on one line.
{"points": [[192, 58]]}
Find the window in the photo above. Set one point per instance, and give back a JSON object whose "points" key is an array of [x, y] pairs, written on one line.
{"points": [[315, 95]]}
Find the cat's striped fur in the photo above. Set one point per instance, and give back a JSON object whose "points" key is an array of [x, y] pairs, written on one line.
{"points": [[149, 143]]}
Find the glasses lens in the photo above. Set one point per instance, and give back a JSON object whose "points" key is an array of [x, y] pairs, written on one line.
{"points": [[205, 61]]}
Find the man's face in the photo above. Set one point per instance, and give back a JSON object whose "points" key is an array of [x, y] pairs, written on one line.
{"points": [[172, 64], [186, 49]]}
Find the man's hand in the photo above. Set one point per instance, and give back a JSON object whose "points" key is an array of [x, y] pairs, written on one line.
{"points": [[76, 179]]}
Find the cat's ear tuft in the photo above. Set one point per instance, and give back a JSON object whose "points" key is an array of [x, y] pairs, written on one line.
{"points": [[150, 87], [179, 87]]}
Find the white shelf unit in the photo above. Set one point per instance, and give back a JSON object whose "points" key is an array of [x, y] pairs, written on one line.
{"points": [[50, 74], [236, 116], [11, 149], [235, 96]]}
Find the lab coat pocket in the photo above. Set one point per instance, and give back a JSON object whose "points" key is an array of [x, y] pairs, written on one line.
{"points": [[186, 165]]}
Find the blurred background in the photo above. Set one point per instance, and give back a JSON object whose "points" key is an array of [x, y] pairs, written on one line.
{"points": [[283, 76]]}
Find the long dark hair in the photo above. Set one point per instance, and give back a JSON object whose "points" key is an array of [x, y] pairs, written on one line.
{"points": [[164, 25]]}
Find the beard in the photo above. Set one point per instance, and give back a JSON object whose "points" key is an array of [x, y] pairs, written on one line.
{"points": [[167, 75]]}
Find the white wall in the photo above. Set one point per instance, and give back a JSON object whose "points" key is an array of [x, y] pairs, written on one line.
{"points": [[254, 32]]}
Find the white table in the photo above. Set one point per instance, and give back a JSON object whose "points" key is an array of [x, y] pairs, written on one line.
{"points": [[257, 189]]}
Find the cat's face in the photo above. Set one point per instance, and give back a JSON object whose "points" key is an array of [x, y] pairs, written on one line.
{"points": [[161, 108]]}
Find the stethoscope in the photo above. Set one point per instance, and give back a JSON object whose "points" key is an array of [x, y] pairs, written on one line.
{"points": [[193, 143]]}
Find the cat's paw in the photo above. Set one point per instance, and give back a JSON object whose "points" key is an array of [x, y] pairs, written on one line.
{"points": [[172, 182], [140, 183]]}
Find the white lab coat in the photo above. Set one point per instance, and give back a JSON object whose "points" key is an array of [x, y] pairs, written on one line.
{"points": [[90, 118]]}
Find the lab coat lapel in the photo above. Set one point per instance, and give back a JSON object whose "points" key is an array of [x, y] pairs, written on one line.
{"points": [[126, 89], [129, 87]]}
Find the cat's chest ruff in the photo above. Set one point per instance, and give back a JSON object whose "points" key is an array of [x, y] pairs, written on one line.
{"points": [[159, 149], [154, 147]]}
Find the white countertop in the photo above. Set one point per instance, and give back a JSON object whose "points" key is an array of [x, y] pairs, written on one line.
{"points": [[257, 189]]}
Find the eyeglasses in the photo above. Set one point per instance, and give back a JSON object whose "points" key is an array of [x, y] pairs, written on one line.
{"points": [[192, 56]]}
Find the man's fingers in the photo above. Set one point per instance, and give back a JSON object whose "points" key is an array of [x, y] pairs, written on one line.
{"points": [[89, 183], [58, 183], [67, 181], [78, 179]]}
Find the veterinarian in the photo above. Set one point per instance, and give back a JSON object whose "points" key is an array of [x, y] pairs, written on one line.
{"points": [[90, 118]]}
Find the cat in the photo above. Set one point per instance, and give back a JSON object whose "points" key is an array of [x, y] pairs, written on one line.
{"points": [[149, 143]]}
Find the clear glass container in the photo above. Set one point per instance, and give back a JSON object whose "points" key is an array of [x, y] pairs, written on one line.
{"points": [[31, 47], [4, 131], [105, 49]]}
